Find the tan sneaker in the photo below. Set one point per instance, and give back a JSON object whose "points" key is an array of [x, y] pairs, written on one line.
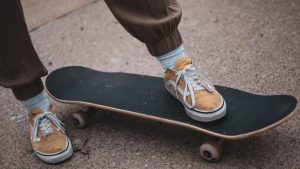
{"points": [[48, 137], [198, 95]]}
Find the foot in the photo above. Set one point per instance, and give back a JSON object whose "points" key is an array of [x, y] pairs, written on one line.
{"points": [[198, 95], [48, 138]]}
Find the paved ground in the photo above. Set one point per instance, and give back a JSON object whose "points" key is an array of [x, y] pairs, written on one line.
{"points": [[39, 12], [252, 45]]}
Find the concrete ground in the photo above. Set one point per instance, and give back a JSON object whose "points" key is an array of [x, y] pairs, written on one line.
{"points": [[39, 12], [252, 45]]}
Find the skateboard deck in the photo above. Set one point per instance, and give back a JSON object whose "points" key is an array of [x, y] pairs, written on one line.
{"points": [[146, 97]]}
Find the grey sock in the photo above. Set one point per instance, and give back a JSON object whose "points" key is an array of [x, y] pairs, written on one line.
{"points": [[168, 60], [39, 101]]}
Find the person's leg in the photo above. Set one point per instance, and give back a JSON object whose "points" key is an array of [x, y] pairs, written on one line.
{"points": [[155, 23], [21, 70], [20, 67]]}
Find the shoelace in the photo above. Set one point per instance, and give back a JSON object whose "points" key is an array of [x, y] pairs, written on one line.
{"points": [[193, 81], [43, 121]]}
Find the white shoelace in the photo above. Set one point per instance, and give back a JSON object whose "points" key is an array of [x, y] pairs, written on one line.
{"points": [[193, 81], [43, 121]]}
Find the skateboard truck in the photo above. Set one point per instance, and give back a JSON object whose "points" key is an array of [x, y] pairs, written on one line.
{"points": [[81, 117]]}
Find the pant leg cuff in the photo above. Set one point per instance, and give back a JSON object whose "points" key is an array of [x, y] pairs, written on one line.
{"points": [[28, 91], [166, 45]]}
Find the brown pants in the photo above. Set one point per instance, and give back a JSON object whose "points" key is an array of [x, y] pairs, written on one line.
{"points": [[154, 22]]}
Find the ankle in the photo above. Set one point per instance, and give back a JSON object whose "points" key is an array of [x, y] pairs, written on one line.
{"points": [[40, 101], [168, 60]]}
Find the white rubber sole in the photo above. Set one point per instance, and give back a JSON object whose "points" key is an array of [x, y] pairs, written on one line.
{"points": [[57, 158], [206, 117], [203, 116]]}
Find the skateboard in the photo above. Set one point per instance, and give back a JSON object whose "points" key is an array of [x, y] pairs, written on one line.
{"points": [[143, 96]]}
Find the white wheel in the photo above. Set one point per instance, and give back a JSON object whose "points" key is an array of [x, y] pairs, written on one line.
{"points": [[81, 119], [210, 151]]}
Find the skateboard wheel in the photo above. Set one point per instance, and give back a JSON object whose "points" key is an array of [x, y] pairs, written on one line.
{"points": [[81, 119], [210, 151]]}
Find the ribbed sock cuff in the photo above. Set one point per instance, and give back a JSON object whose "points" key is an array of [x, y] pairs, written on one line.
{"points": [[165, 45], [168, 60], [29, 90], [39, 101]]}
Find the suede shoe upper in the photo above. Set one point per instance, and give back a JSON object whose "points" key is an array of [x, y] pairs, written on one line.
{"points": [[47, 134], [194, 90]]}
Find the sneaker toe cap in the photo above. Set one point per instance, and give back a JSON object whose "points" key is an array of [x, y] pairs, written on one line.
{"points": [[208, 101], [54, 143]]}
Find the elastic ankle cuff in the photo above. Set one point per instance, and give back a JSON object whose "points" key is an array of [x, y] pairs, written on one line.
{"points": [[166, 45], [29, 90]]}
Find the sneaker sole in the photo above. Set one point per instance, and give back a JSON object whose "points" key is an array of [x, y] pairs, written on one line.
{"points": [[52, 159], [200, 116], [206, 117]]}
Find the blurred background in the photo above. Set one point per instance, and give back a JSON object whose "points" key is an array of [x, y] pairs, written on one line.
{"points": [[252, 45]]}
